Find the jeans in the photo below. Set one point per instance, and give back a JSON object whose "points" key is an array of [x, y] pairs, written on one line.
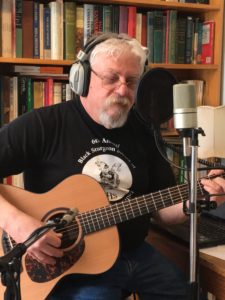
{"points": [[142, 270]]}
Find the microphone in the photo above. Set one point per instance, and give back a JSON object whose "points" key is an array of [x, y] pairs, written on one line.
{"points": [[184, 106], [69, 217], [185, 113]]}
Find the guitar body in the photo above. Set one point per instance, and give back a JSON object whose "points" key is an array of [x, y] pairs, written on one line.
{"points": [[100, 249]]}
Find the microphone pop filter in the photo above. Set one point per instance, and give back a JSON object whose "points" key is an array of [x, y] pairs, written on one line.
{"points": [[154, 97]]}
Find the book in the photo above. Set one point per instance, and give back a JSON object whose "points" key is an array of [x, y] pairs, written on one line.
{"points": [[131, 27], [19, 12], [56, 11], [13, 98], [157, 36], [47, 32], [144, 30], [41, 30], [79, 28], [88, 28], [69, 30], [6, 24], [181, 39], [36, 30], [123, 19], [150, 35], [37, 69], [208, 29], [172, 36], [138, 26], [211, 120], [189, 40]]}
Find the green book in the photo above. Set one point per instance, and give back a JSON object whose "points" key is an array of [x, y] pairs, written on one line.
{"points": [[70, 30]]}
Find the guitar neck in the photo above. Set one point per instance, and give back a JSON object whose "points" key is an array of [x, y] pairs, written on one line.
{"points": [[110, 215]]}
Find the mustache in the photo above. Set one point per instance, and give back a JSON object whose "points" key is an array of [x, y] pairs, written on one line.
{"points": [[117, 100]]}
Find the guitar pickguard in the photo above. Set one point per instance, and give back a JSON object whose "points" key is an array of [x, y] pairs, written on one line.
{"points": [[39, 272]]}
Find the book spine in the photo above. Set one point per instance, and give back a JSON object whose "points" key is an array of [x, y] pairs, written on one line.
{"points": [[157, 36], [36, 34], [22, 95], [123, 19], [208, 42], [181, 39], [41, 30], [172, 37], [6, 16], [29, 92], [19, 12], [88, 21], [150, 35], [131, 29], [47, 32], [69, 30], [189, 40], [79, 28], [56, 30], [144, 30], [27, 29]]}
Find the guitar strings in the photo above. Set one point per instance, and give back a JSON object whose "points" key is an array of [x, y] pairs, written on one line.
{"points": [[104, 217]]}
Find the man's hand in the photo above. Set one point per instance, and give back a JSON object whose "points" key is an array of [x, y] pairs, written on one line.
{"points": [[46, 249], [215, 186]]}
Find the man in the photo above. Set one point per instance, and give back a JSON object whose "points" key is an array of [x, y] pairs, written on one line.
{"points": [[97, 134]]}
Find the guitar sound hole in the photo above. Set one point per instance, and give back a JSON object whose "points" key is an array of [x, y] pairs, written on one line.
{"points": [[69, 232]]}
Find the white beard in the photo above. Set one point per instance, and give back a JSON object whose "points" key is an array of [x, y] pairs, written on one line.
{"points": [[118, 119]]}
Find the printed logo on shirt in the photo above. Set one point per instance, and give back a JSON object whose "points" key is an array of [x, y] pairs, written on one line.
{"points": [[112, 173]]}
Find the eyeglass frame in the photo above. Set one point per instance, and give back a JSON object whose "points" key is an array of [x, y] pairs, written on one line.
{"points": [[116, 85]]}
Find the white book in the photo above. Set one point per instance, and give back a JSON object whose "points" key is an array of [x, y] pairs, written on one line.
{"points": [[212, 120], [56, 29]]}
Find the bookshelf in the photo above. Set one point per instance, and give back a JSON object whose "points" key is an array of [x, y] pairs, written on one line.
{"points": [[211, 74]]}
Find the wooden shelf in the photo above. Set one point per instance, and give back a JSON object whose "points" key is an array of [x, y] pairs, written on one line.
{"points": [[191, 7], [34, 61]]}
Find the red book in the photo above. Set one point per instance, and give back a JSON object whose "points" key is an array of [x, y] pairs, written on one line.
{"points": [[48, 92], [208, 42], [131, 30]]}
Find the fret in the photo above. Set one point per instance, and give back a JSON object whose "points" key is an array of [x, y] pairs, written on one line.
{"points": [[138, 206], [127, 218], [153, 202], [145, 202], [171, 197]]}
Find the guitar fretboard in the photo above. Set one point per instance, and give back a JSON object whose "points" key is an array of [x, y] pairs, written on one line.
{"points": [[110, 215]]}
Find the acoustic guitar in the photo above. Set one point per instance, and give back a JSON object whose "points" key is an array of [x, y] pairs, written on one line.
{"points": [[91, 241]]}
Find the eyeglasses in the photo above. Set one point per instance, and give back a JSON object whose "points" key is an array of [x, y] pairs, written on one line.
{"points": [[112, 82]]}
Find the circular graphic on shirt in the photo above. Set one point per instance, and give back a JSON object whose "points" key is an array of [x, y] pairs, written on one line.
{"points": [[112, 173]]}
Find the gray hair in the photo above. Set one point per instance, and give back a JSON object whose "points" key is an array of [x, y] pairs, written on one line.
{"points": [[116, 44]]}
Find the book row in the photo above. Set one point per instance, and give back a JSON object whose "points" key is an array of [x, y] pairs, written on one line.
{"points": [[59, 29], [20, 94]]}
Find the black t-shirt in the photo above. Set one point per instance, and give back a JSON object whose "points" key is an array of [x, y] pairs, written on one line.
{"points": [[49, 144]]}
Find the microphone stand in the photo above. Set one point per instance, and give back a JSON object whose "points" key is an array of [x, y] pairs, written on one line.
{"points": [[193, 293]]}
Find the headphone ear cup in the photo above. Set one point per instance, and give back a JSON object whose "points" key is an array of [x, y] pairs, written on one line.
{"points": [[79, 77]]}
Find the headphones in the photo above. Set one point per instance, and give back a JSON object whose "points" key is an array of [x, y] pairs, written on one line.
{"points": [[80, 71]]}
